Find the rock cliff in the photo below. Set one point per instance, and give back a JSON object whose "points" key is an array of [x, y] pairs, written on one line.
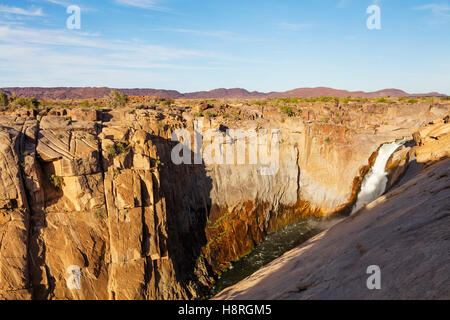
{"points": [[404, 233], [93, 207]]}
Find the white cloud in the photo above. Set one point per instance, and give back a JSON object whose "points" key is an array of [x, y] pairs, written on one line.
{"points": [[292, 26], [48, 57], [20, 11], [144, 4], [66, 4], [221, 34], [343, 3], [59, 2], [436, 9]]}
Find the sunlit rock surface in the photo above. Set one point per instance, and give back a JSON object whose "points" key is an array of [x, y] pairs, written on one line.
{"points": [[405, 233], [92, 207]]}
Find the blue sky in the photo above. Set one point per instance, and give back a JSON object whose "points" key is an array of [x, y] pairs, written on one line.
{"points": [[191, 45]]}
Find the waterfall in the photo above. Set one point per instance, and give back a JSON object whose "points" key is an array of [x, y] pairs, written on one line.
{"points": [[375, 181]]}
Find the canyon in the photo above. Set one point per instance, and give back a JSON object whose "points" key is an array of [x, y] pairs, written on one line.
{"points": [[93, 207]]}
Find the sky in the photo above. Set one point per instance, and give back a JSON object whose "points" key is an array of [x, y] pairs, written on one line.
{"points": [[193, 45]]}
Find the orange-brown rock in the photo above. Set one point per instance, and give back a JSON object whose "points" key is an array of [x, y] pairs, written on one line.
{"points": [[92, 207], [404, 234]]}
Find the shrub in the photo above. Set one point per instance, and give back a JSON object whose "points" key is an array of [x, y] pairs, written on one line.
{"points": [[326, 99], [289, 100], [116, 149], [287, 111], [259, 102], [29, 103], [324, 119], [55, 181], [209, 114], [85, 104], [382, 100], [328, 140], [412, 100], [115, 99], [4, 101], [167, 102], [100, 213]]}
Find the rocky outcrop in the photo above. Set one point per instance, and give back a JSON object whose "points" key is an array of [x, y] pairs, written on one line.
{"points": [[92, 206], [404, 233]]}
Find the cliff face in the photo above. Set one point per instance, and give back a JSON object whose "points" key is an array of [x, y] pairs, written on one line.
{"points": [[404, 233], [92, 206]]}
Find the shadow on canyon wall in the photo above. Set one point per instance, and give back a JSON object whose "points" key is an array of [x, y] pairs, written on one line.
{"points": [[186, 189]]}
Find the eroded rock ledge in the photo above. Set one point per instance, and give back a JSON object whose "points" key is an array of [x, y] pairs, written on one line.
{"points": [[97, 192]]}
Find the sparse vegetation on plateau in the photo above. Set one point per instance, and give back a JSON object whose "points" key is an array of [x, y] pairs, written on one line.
{"points": [[22, 102], [85, 104], [382, 100]]}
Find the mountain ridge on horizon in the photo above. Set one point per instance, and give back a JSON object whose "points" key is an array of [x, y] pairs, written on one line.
{"points": [[220, 93]]}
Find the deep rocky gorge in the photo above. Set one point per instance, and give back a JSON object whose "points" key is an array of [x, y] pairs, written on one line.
{"points": [[95, 194]]}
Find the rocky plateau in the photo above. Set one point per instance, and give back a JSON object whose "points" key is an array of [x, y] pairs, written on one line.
{"points": [[93, 207]]}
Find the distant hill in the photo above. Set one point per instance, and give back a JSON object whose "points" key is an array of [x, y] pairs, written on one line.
{"points": [[99, 92]]}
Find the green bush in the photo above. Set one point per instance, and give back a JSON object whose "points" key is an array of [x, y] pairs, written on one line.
{"points": [[167, 102], [287, 111], [324, 119], [259, 102], [289, 100], [116, 149], [55, 181], [4, 101], [209, 114], [382, 100], [100, 214], [115, 99], [85, 104], [29, 103], [412, 101], [326, 99]]}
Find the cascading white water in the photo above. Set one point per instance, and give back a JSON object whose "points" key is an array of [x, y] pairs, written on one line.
{"points": [[375, 181]]}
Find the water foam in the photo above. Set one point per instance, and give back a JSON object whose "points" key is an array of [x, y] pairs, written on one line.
{"points": [[375, 181]]}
